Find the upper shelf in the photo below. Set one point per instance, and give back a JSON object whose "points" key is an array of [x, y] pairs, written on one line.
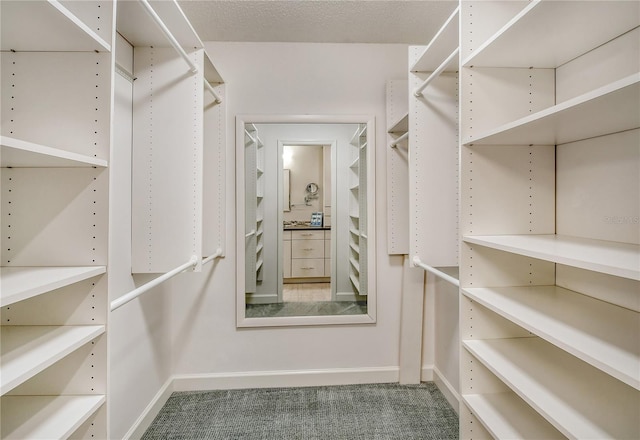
{"points": [[440, 47], [139, 29], [531, 38], [579, 324], [582, 117], [20, 283], [19, 153], [613, 258], [51, 26]]}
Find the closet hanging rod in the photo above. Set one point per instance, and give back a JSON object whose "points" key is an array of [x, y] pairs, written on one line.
{"points": [[435, 271], [167, 33], [209, 87], [436, 73], [116, 303], [253, 232], [210, 258], [395, 143]]}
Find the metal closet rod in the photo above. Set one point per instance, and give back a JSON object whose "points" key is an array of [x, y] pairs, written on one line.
{"points": [[436, 73], [209, 87], [167, 33], [395, 143], [153, 283], [210, 258], [437, 272]]}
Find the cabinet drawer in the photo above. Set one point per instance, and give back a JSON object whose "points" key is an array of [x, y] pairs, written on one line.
{"points": [[307, 267], [307, 248], [307, 235]]}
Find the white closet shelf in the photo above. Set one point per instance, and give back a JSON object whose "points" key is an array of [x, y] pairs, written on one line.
{"points": [[355, 282], [400, 126], [20, 283], [27, 350], [135, 24], [355, 264], [19, 153], [542, 25], [554, 383], [47, 26], [585, 116], [441, 46], [355, 247], [506, 416], [613, 258], [355, 188], [354, 164], [46, 417], [576, 323]]}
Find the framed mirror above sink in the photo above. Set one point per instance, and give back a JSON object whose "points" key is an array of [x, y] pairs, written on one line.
{"points": [[306, 192]]}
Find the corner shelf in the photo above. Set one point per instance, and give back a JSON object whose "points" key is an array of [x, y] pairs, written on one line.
{"points": [[20, 283], [46, 26], [613, 258], [440, 47], [540, 27], [46, 417], [583, 117], [506, 416], [551, 380], [18, 153], [400, 126], [355, 264], [576, 323], [27, 350]]}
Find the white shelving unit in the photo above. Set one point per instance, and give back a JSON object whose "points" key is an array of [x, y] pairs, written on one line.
{"points": [[180, 93], [433, 148], [397, 167], [54, 150], [357, 212], [550, 254]]}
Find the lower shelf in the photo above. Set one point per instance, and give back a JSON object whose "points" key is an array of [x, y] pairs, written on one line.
{"points": [[576, 398], [46, 417], [506, 416], [27, 350]]}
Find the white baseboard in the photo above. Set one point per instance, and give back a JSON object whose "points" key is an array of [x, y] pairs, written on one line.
{"points": [[426, 373], [150, 412], [449, 392], [280, 379]]}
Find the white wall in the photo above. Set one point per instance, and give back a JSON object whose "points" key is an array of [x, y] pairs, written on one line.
{"points": [[275, 78]]}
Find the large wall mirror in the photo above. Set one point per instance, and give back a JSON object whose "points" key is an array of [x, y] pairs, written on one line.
{"points": [[306, 223]]}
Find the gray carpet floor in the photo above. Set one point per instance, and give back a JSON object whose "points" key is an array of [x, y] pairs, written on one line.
{"points": [[349, 412]]}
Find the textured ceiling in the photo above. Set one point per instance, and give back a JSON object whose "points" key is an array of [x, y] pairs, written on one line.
{"points": [[318, 21]]}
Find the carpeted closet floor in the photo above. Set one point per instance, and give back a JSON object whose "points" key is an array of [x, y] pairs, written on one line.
{"points": [[349, 412]]}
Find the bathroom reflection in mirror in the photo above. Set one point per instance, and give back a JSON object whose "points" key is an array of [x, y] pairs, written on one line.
{"points": [[305, 192]]}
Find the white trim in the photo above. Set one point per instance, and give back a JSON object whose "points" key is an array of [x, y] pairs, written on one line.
{"points": [[143, 422], [449, 392], [280, 379]]}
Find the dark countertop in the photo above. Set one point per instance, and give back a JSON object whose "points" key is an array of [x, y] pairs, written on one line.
{"points": [[307, 228]]}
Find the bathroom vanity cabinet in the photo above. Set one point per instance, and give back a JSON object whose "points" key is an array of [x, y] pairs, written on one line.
{"points": [[307, 253]]}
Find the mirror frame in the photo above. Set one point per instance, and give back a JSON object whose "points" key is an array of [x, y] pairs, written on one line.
{"points": [[283, 321]]}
